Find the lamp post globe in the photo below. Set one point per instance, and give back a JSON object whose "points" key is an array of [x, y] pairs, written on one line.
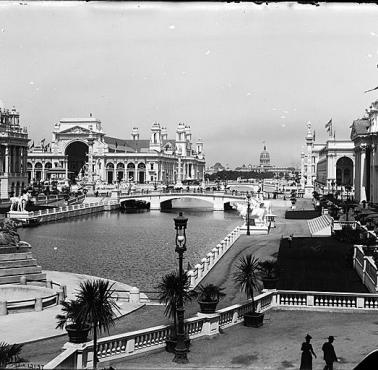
{"points": [[181, 349]]}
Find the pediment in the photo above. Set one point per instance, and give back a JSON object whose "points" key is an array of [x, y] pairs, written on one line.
{"points": [[75, 130]]}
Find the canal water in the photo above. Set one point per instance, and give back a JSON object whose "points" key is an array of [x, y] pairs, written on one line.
{"points": [[133, 248]]}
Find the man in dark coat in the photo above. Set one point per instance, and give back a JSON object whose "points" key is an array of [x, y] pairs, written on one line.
{"points": [[329, 353]]}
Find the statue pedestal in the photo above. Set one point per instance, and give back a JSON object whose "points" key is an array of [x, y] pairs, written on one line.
{"points": [[257, 229], [308, 190], [20, 215]]}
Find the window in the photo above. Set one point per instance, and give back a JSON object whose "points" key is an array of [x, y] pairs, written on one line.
{"points": [[152, 166]]}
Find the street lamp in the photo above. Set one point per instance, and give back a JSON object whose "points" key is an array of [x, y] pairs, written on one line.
{"points": [[248, 209], [180, 350]]}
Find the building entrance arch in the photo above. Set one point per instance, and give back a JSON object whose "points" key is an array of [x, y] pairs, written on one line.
{"points": [[344, 171], [76, 153]]}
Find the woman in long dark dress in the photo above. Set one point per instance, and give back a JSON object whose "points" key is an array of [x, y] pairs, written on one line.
{"points": [[307, 353]]}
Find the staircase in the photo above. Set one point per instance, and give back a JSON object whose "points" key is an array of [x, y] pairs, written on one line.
{"points": [[18, 262], [320, 226]]}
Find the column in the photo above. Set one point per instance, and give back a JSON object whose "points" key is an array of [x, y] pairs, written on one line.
{"points": [[179, 174], [363, 173], [66, 166], [90, 161], [6, 158], [302, 170]]}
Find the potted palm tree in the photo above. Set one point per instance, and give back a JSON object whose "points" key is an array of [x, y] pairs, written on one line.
{"points": [[169, 289], [94, 306], [70, 319], [208, 297], [268, 269], [9, 354], [247, 276]]}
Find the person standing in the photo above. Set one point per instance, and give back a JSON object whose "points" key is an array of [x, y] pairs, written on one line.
{"points": [[329, 353], [307, 353]]}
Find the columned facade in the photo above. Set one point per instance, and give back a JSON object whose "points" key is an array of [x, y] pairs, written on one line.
{"points": [[81, 151], [13, 154]]}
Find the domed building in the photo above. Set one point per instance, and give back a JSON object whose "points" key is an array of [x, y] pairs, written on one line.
{"points": [[264, 158]]}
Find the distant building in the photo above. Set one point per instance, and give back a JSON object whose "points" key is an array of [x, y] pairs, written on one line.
{"points": [[80, 150], [263, 166], [13, 153], [332, 163], [214, 169]]}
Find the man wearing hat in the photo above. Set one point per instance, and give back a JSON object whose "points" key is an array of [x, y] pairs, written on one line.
{"points": [[329, 353]]}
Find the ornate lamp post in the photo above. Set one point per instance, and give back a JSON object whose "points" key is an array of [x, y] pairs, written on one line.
{"points": [[180, 350], [248, 210]]}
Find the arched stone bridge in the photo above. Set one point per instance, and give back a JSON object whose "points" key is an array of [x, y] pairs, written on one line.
{"points": [[159, 200]]}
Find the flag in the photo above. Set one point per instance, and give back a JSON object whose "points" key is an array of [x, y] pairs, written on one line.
{"points": [[328, 126], [375, 88]]}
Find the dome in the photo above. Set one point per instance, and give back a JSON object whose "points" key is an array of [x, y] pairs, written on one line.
{"points": [[264, 157]]}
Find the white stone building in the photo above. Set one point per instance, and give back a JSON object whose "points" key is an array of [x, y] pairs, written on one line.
{"points": [[81, 150], [13, 154], [364, 133]]}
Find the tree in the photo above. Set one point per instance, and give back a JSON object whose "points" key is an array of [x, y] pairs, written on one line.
{"points": [[9, 353], [96, 306], [247, 276]]}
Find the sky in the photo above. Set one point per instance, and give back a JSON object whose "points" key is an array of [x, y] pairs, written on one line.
{"points": [[238, 74]]}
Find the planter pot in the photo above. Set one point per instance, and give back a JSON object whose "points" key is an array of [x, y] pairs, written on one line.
{"points": [[208, 307], [170, 344], [270, 283], [253, 319], [76, 335]]}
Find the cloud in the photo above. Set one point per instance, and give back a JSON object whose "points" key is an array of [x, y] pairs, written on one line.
{"points": [[172, 27], [283, 117], [208, 52]]}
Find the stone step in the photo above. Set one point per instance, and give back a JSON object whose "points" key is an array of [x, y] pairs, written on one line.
{"points": [[319, 224], [15, 256], [20, 270], [18, 263], [16, 278]]}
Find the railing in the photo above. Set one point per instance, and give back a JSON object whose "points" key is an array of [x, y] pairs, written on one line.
{"points": [[207, 193], [366, 268], [207, 263], [133, 343]]}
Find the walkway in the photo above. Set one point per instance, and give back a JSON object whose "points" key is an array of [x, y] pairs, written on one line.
{"points": [[31, 326], [276, 345]]}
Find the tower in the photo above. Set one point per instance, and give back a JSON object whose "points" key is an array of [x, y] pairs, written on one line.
{"points": [[135, 133], [264, 158], [180, 139], [309, 187], [155, 142], [199, 148], [164, 134]]}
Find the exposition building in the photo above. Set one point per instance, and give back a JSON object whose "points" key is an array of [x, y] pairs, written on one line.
{"points": [[327, 166], [13, 153], [80, 150], [364, 134]]}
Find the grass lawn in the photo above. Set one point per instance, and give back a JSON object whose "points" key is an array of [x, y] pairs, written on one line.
{"points": [[317, 264]]}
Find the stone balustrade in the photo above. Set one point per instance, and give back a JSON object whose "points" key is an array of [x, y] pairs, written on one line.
{"points": [[207, 263], [54, 214], [202, 325], [365, 268]]}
